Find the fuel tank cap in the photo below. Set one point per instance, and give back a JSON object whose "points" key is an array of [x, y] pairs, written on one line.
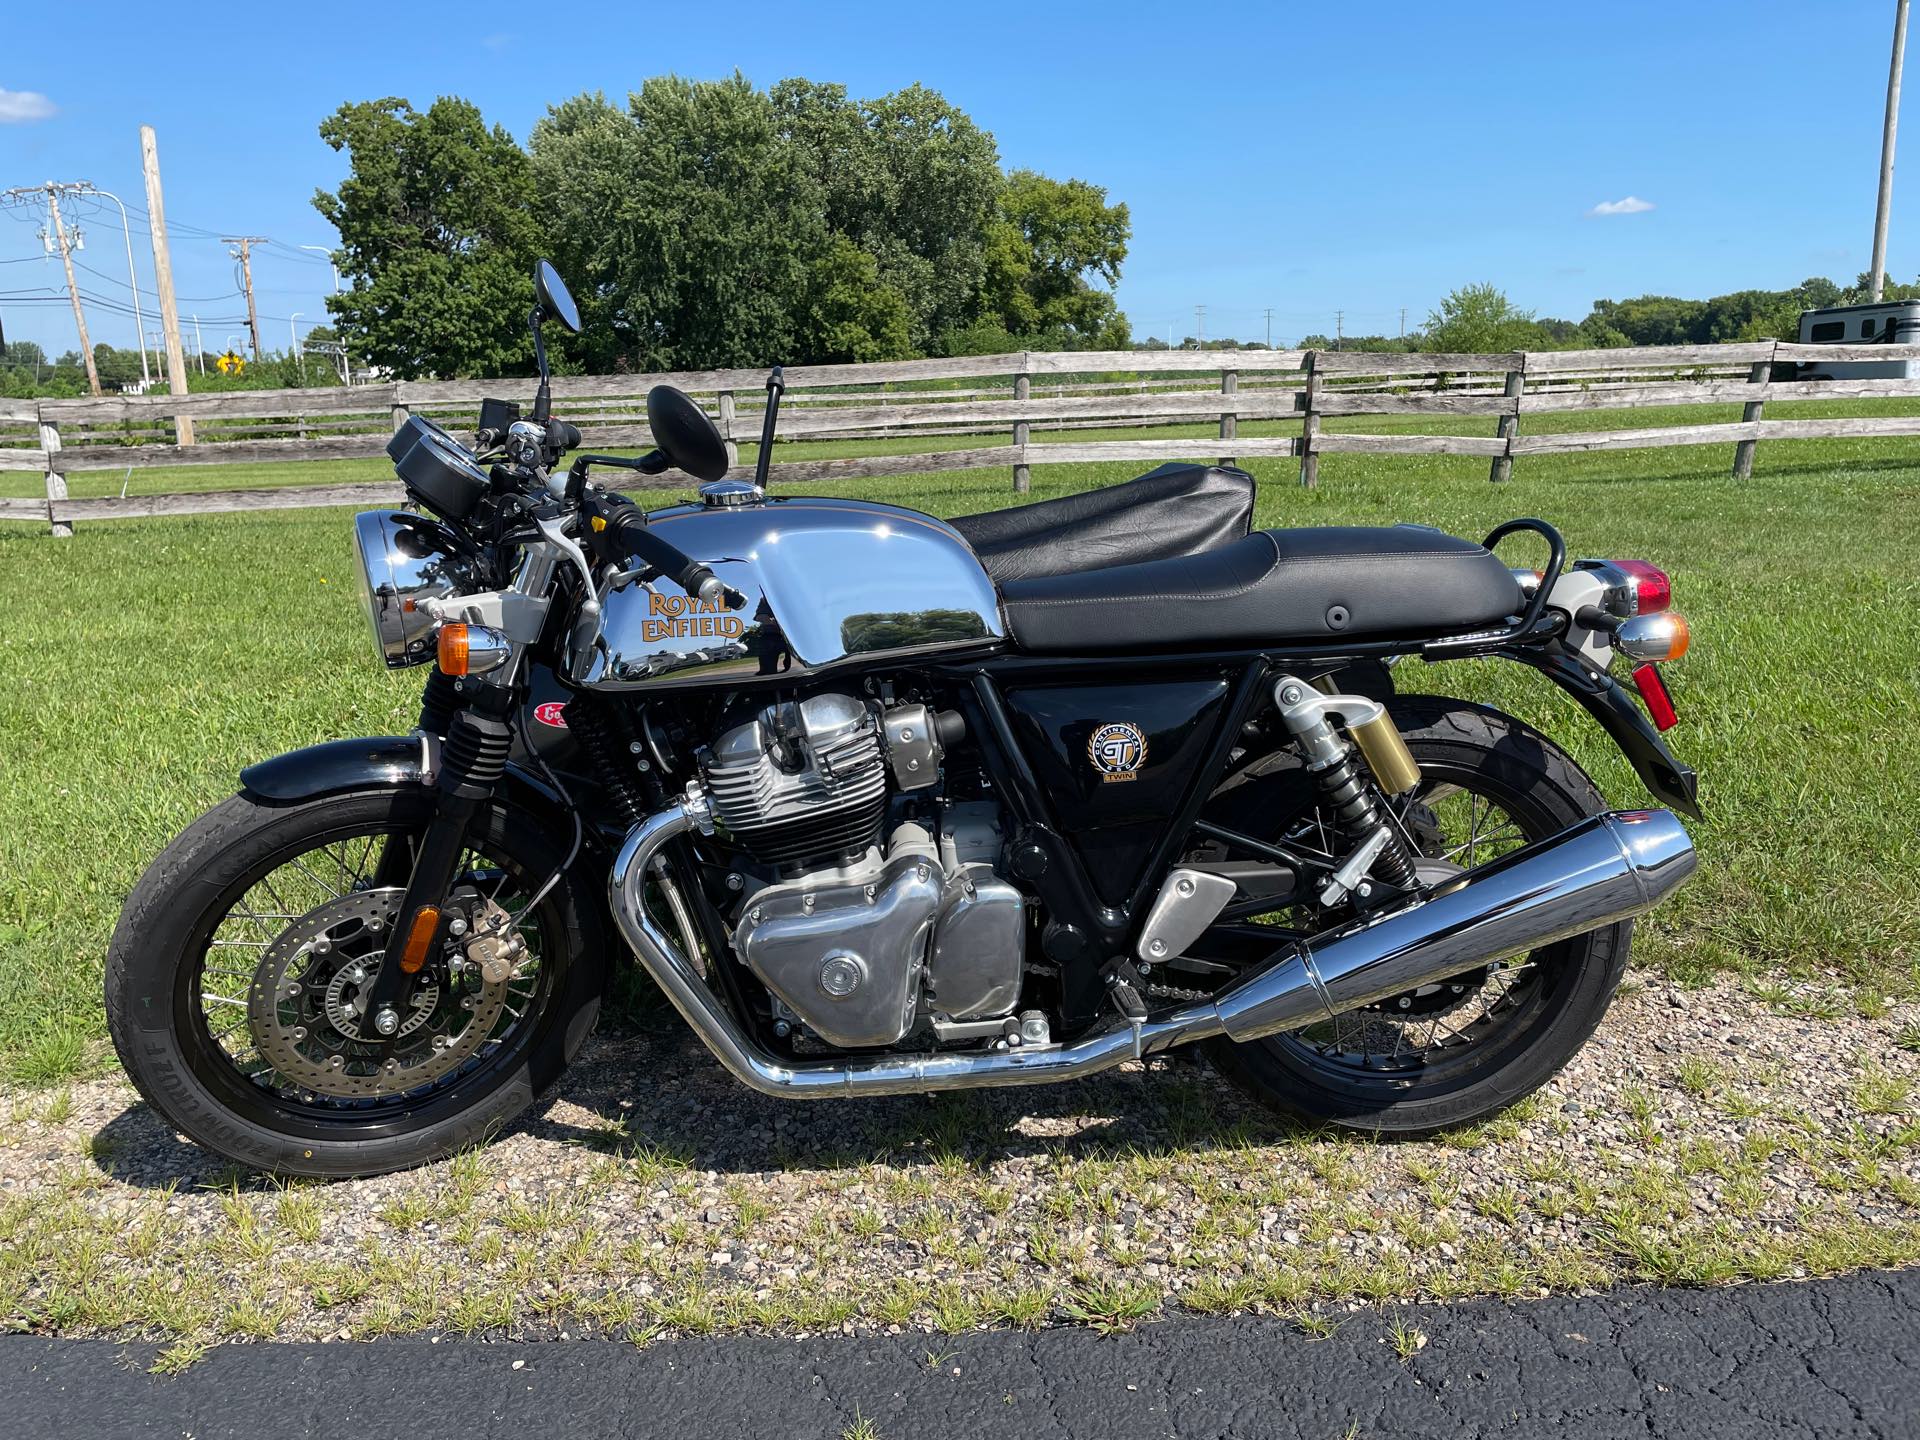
{"points": [[718, 494]]}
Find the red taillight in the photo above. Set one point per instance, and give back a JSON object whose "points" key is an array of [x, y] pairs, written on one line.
{"points": [[1653, 690], [1652, 591]]}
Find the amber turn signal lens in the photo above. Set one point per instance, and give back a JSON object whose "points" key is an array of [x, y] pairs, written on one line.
{"points": [[452, 646], [426, 923]]}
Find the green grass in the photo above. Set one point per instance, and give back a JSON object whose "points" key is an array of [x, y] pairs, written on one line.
{"points": [[145, 662]]}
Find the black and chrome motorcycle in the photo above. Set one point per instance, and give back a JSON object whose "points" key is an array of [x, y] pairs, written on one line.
{"points": [[888, 804]]}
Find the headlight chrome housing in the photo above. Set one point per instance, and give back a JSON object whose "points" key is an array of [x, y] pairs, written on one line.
{"points": [[405, 560]]}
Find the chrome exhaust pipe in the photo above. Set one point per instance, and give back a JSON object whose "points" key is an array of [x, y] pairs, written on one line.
{"points": [[1605, 869]]}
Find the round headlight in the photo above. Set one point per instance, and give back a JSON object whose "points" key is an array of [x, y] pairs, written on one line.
{"points": [[405, 560]]}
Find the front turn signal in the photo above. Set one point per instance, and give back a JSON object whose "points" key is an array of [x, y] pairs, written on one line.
{"points": [[1654, 637], [453, 648], [472, 649]]}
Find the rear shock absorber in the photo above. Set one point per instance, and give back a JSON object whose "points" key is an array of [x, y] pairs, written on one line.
{"points": [[1379, 849]]}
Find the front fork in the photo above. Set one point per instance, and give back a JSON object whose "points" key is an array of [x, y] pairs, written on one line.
{"points": [[473, 757]]}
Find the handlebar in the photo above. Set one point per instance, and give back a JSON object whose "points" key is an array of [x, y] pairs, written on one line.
{"points": [[628, 534]]}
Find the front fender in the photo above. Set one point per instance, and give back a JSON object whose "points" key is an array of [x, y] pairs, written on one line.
{"points": [[1668, 780], [374, 763]]}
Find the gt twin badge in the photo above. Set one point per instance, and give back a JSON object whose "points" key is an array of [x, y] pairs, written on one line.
{"points": [[1117, 751]]}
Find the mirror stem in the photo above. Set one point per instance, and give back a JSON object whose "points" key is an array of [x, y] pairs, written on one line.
{"points": [[543, 397], [776, 386]]}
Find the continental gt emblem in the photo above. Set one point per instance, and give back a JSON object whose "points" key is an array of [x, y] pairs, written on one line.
{"points": [[1118, 751]]}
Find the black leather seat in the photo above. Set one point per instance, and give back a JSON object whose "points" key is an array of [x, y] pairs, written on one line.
{"points": [[1406, 581], [1175, 510]]}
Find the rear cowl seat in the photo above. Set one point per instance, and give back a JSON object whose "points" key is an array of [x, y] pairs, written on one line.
{"points": [[1337, 582]]}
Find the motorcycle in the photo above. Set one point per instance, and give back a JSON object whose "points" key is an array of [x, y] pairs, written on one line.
{"points": [[886, 804]]}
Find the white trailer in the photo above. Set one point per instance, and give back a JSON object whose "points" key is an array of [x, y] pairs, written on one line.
{"points": [[1891, 322]]}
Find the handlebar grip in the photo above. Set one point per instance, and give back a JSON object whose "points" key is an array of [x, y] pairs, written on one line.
{"points": [[690, 575], [562, 435]]}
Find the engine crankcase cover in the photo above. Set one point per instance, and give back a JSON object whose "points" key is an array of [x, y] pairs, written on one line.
{"points": [[845, 948], [979, 947]]}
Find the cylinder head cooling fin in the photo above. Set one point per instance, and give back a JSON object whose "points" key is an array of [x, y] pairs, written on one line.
{"points": [[802, 781]]}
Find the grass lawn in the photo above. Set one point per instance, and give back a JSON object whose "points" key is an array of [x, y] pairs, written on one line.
{"points": [[145, 662]]}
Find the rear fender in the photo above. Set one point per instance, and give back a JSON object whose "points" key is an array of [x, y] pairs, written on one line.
{"points": [[1668, 780]]}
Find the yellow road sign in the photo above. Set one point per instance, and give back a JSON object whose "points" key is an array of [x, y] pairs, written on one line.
{"points": [[231, 364]]}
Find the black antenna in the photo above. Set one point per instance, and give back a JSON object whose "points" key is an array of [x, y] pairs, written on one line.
{"points": [[776, 385]]}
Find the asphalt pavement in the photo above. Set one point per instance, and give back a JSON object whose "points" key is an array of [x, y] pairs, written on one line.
{"points": [[1825, 1358]]}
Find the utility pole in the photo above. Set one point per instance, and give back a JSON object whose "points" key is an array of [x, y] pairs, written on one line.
{"points": [[1339, 328], [163, 281], [1403, 323], [199, 346], [1200, 327], [245, 256], [79, 315], [66, 244], [1269, 327], [1886, 149]]}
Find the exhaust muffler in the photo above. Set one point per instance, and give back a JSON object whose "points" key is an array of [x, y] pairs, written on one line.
{"points": [[1605, 869]]}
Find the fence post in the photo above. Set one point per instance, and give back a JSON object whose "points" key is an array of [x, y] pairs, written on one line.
{"points": [[1310, 425], [726, 428], [1229, 420], [1760, 374], [1022, 390], [56, 482], [402, 412], [1509, 426]]}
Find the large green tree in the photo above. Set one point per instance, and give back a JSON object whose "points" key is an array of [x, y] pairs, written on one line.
{"points": [[707, 223], [438, 232], [1478, 319], [690, 222]]}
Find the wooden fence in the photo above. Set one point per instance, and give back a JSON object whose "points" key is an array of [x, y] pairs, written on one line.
{"points": [[985, 396]]}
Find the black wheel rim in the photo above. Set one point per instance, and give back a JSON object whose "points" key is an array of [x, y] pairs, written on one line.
{"points": [[285, 886], [1442, 1037]]}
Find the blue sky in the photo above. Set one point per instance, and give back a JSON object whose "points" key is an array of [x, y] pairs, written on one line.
{"points": [[1307, 158]]}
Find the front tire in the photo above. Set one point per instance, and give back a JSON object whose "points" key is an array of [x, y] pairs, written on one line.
{"points": [[157, 979], [1462, 749]]}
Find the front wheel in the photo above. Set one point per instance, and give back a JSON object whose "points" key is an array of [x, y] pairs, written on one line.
{"points": [[234, 977], [1457, 1052]]}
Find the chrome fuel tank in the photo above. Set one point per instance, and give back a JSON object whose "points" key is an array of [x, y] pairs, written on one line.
{"points": [[824, 581]]}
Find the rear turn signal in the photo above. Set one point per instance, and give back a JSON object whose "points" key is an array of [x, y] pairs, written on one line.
{"points": [[1653, 637], [1653, 690], [1652, 591]]}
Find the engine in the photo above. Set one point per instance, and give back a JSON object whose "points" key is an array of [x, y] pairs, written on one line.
{"points": [[872, 929]]}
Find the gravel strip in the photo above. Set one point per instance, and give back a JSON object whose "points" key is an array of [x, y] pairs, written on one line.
{"points": [[1701, 1136]]}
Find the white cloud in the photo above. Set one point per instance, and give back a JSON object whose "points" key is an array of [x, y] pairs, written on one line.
{"points": [[17, 107], [1632, 205]]}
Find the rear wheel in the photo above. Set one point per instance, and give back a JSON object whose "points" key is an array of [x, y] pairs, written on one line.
{"points": [[1456, 1052], [235, 984]]}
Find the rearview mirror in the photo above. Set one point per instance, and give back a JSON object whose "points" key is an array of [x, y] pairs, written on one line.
{"points": [[553, 297]]}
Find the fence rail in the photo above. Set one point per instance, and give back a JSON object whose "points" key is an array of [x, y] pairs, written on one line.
{"points": [[982, 396]]}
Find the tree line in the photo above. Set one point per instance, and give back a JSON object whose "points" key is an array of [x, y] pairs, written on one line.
{"points": [[1479, 319], [27, 372], [711, 224]]}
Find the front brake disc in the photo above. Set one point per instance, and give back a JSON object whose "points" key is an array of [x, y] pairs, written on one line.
{"points": [[306, 1005]]}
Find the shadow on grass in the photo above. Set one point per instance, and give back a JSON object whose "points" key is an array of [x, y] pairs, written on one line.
{"points": [[653, 1090]]}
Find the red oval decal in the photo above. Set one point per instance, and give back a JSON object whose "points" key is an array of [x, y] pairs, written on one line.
{"points": [[553, 713]]}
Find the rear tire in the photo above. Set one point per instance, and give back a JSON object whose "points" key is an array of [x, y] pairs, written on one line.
{"points": [[159, 949], [1544, 791]]}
